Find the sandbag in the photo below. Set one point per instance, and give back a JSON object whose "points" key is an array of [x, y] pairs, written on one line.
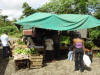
{"points": [[86, 60]]}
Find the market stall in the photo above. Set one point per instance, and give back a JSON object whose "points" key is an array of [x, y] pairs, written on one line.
{"points": [[59, 23], [23, 57]]}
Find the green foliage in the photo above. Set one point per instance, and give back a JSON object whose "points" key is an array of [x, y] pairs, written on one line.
{"points": [[27, 9], [20, 42], [4, 21], [57, 6], [81, 6], [94, 33], [93, 2], [8, 26], [89, 44], [19, 33], [10, 29], [98, 54], [97, 14], [65, 40], [65, 6]]}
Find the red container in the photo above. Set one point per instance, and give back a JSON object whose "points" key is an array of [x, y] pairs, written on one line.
{"points": [[27, 32]]}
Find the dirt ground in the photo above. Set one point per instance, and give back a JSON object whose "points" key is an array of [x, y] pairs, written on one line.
{"points": [[61, 67]]}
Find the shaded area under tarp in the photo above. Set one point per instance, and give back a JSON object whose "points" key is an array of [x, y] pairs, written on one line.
{"points": [[58, 22]]}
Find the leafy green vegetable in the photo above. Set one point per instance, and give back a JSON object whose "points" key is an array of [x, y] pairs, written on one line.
{"points": [[25, 51], [65, 40]]}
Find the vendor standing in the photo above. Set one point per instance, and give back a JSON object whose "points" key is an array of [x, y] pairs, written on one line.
{"points": [[5, 43], [49, 49]]}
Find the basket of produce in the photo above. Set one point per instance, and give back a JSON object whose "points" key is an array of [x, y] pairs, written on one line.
{"points": [[31, 54], [21, 57], [21, 53]]}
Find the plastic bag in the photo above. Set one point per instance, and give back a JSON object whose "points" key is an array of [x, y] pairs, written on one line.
{"points": [[86, 60]]}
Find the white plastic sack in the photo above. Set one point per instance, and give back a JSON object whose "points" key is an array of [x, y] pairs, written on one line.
{"points": [[86, 60]]}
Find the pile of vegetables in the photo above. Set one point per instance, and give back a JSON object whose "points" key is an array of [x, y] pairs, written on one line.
{"points": [[33, 51], [65, 40], [25, 51]]}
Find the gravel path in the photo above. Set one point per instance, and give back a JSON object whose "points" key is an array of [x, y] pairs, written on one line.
{"points": [[62, 67]]}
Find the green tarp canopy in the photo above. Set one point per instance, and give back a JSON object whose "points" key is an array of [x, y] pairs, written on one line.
{"points": [[58, 22]]}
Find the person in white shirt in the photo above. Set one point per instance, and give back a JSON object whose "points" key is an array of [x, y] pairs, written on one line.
{"points": [[49, 44], [5, 44], [49, 49]]}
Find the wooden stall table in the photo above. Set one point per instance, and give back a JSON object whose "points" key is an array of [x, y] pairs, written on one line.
{"points": [[21, 62]]}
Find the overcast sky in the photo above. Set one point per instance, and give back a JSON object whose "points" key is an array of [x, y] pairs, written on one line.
{"points": [[13, 8]]}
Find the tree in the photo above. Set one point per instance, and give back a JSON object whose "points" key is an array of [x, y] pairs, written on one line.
{"points": [[69, 6], [27, 9], [97, 14], [57, 6], [81, 6], [4, 18]]}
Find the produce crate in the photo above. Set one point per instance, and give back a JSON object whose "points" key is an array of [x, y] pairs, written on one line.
{"points": [[36, 61]]}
